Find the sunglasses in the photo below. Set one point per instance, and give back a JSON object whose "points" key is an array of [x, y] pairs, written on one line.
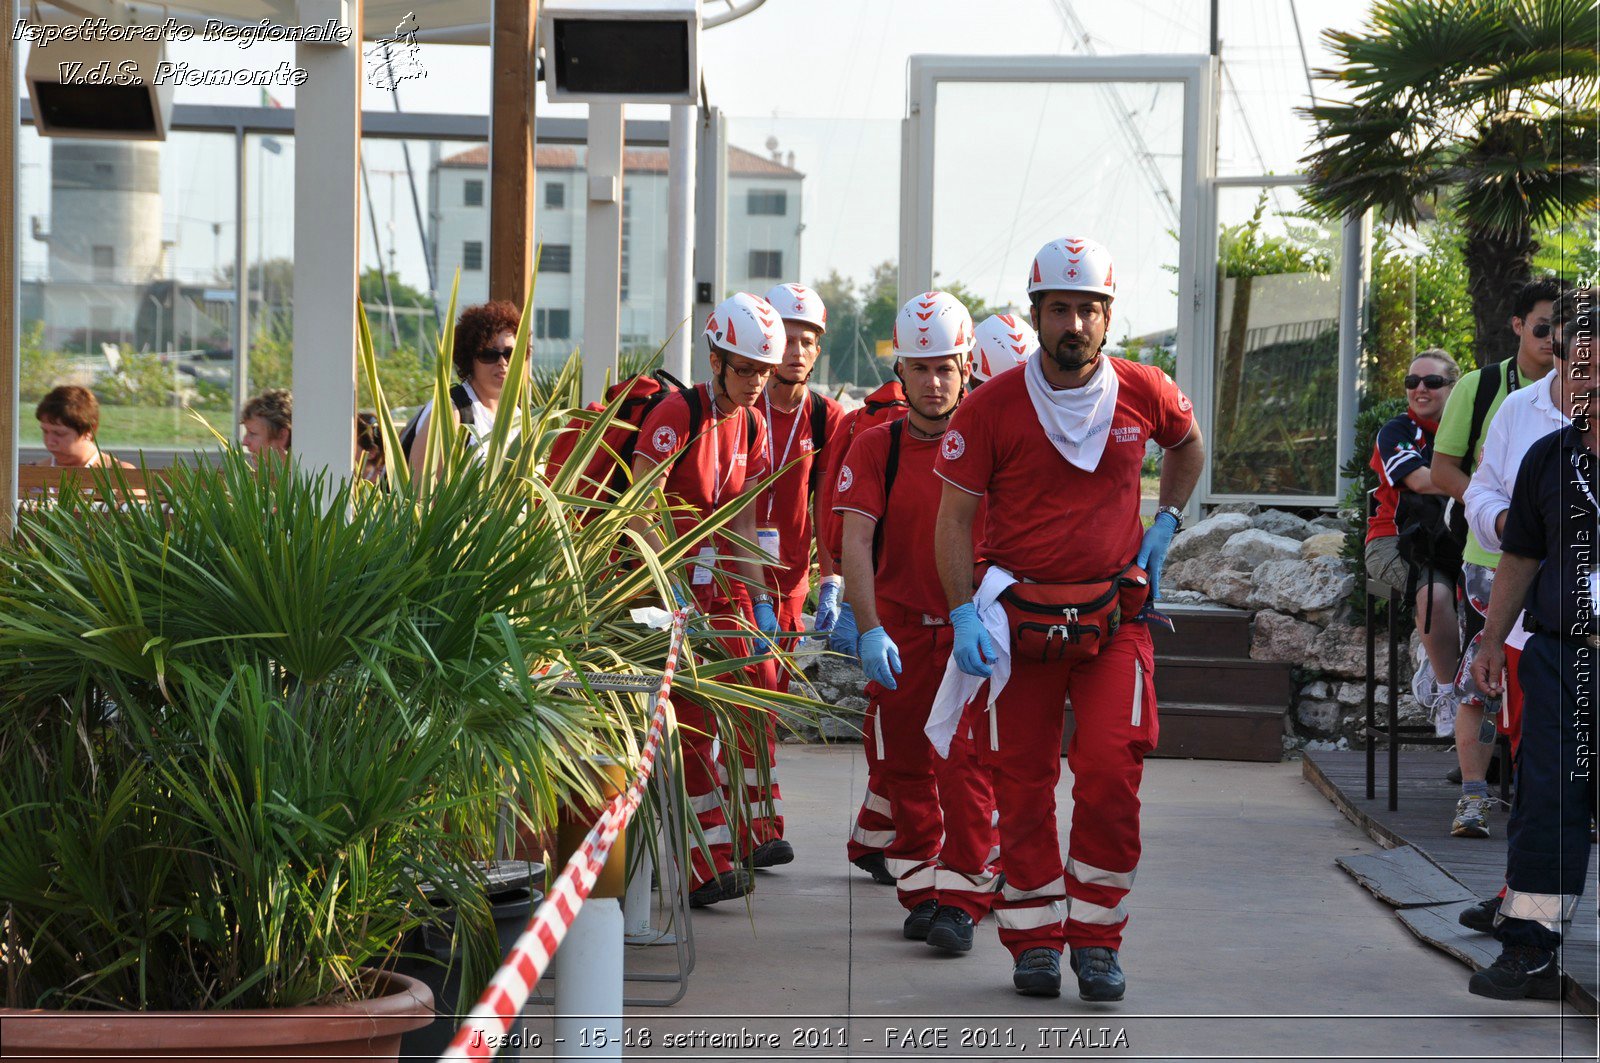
{"points": [[1433, 380], [1541, 330], [491, 355]]}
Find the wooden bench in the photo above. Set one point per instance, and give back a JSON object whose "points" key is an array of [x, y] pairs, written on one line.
{"points": [[35, 482]]}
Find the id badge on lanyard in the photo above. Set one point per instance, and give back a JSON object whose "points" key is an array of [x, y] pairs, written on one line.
{"points": [[769, 540]]}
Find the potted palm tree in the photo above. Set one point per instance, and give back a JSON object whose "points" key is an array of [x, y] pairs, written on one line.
{"points": [[254, 731]]}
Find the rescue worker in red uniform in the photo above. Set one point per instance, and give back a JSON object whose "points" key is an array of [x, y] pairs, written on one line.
{"points": [[705, 447], [799, 424], [873, 830], [1001, 342], [888, 498], [1053, 451]]}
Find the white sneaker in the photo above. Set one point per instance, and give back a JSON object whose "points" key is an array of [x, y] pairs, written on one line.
{"points": [[1425, 685], [1443, 714]]}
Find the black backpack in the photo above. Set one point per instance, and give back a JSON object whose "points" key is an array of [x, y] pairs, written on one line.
{"points": [[460, 401], [891, 465], [1433, 532]]}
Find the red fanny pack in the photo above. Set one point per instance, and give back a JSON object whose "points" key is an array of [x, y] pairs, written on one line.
{"points": [[1071, 621]]}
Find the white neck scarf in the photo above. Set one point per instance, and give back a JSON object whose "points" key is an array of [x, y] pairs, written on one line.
{"points": [[1076, 420]]}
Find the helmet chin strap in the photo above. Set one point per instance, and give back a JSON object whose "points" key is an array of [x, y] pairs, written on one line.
{"points": [[791, 383]]}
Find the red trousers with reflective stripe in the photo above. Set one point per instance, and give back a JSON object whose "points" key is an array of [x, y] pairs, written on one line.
{"points": [[707, 771], [1043, 903], [791, 609], [940, 807]]}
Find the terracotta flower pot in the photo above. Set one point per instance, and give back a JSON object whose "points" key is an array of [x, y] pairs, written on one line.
{"points": [[366, 1029]]}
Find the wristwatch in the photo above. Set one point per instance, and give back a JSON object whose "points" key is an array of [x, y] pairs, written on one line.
{"points": [[1175, 513], [761, 596]]}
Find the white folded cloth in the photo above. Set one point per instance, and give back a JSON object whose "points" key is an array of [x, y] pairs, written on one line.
{"points": [[1076, 420], [958, 687]]}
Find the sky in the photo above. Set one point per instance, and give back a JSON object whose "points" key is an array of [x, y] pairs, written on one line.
{"points": [[827, 79]]}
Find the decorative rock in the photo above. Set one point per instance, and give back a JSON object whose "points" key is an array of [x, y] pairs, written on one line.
{"points": [[1253, 546], [1277, 522], [1282, 638], [1316, 691], [1178, 597], [1340, 649], [1321, 717], [1228, 586], [1292, 586], [1207, 536], [1327, 523], [839, 729], [1322, 544], [1187, 575], [1249, 509]]}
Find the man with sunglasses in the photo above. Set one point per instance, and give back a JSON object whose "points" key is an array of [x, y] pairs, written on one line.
{"points": [[702, 463], [1457, 451], [1547, 575]]}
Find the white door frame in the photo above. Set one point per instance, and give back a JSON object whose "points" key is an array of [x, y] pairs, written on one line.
{"points": [[1196, 205]]}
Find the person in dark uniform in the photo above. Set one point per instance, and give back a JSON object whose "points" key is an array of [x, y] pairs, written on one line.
{"points": [[1548, 566]]}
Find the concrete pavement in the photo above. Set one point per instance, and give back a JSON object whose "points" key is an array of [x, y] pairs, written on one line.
{"points": [[1246, 942]]}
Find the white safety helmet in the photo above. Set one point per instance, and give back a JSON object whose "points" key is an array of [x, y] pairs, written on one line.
{"points": [[932, 325], [796, 302], [1000, 342], [747, 325], [1072, 264]]}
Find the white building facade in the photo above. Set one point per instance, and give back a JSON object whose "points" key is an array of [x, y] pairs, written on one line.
{"points": [[762, 246]]}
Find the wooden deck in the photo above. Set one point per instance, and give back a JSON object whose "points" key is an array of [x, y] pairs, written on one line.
{"points": [[1426, 904]]}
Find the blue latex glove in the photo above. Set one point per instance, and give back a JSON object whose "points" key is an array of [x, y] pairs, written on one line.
{"points": [[677, 596], [827, 606], [842, 637], [767, 624], [974, 650], [880, 658], [1153, 551]]}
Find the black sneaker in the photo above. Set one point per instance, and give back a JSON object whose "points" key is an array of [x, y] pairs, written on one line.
{"points": [[1038, 973], [951, 929], [1099, 974], [873, 864], [1480, 916], [725, 887], [771, 853], [918, 921], [1521, 972]]}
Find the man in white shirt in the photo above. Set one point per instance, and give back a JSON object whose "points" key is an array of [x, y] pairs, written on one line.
{"points": [[1527, 415]]}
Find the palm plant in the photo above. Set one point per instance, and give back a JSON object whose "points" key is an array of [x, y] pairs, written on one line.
{"points": [[249, 727], [1491, 102]]}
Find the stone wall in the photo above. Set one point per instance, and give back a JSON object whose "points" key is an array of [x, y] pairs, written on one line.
{"points": [[1288, 571]]}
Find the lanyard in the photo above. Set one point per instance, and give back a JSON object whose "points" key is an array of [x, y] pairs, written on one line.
{"points": [[775, 463], [1513, 381], [717, 485]]}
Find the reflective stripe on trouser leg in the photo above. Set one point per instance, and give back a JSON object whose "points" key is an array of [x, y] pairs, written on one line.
{"points": [[966, 800], [1025, 769], [1113, 701], [874, 828], [754, 734], [906, 768], [704, 792]]}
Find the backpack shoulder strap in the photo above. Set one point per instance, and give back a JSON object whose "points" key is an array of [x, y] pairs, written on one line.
{"points": [[891, 465], [819, 421], [1482, 399], [696, 414], [462, 403]]}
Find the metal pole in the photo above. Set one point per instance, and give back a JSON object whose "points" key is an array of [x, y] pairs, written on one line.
{"points": [[1355, 274], [681, 157], [602, 249], [589, 984], [10, 300], [241, 274]]}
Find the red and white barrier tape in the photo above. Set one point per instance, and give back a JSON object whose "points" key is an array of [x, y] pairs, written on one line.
{"points": [[489, 1023]]}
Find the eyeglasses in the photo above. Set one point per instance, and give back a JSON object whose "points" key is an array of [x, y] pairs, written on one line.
{"points": [[1541, 330], [748, 372], [1433, 380], [491, 355]]}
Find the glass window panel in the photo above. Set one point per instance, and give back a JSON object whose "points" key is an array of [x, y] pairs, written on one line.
{"points": [[1276, 374], [127, 284]]}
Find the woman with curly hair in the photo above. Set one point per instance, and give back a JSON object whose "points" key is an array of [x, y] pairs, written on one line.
{"points": [[485, 336]]}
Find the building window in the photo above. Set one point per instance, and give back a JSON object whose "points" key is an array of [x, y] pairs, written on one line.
{"points": [[766, 264], [555, 195], [552, 324], [556, 258], [105, 261], [472, 255], [472, 193], [767, 201]]}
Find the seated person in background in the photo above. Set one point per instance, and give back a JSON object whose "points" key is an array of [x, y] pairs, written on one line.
{"points": [[268, 420], [369, 443], [69, 420], [1400, 457]]}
